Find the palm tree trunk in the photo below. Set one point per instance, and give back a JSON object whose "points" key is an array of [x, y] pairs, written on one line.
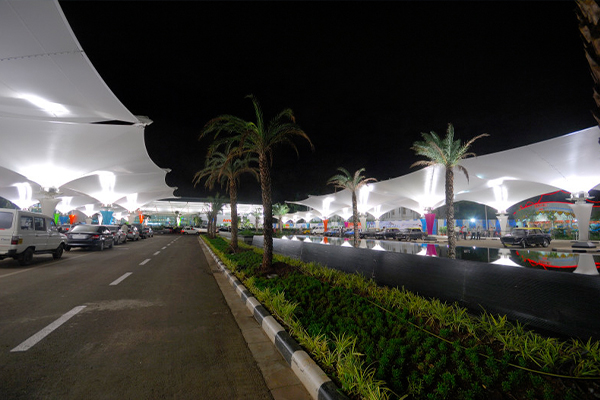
{"points": [[265, 186], [355, 218], [450, 212], [234, 216]]}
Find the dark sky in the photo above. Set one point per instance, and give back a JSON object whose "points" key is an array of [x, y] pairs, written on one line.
{"points": [[363, 78]]}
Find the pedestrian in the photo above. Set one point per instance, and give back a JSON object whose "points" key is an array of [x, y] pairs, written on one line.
{"points": [[464, 232], [478, 232], [457, 232]]}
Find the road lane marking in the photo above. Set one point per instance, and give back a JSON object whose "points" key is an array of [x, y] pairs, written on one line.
{"points": [[145, 261], [157, 253], [121, 279], [164, 248], [29, 343]]}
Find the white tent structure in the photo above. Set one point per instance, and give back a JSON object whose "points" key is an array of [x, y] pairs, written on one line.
{"points": [[63, 133], [499, 180]]}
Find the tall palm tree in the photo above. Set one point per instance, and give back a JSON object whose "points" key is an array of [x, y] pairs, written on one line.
{"points": [[280, 210], [448, 153], [352, 183], [588, 14], [226, 169], [260, 139]]}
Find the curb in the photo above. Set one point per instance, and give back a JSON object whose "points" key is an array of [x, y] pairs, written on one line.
{"points": [[316, 382]]}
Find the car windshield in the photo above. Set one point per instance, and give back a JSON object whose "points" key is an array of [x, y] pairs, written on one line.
{"points": [[85, 229], [519, 232]]}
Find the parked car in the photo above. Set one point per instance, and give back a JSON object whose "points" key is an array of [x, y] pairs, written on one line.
{"points": [[147, 232], [190, 230], [409, 234], [387, 233], [367, 234], [332, 232], [525, 237], [90, 237], [23, 234], [132, 232], [118, 234], [65, 228], [318, 231], [165, 231]]}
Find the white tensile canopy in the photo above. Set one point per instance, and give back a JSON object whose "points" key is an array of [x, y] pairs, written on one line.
{"points": [[63, 132], [499, 180]]}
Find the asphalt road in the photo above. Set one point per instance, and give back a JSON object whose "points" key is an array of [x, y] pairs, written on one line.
{"points": [[144, 320]]}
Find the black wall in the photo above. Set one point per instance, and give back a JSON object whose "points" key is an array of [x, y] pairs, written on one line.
{"points": [[561, 303]]}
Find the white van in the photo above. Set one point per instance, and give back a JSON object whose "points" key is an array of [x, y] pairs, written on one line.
{"points": [[23, 233]]}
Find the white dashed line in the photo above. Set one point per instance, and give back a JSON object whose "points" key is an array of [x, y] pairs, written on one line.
{"points": [[29, 343], [164, 248], [157, 253], [121, 279], [145, 261]]}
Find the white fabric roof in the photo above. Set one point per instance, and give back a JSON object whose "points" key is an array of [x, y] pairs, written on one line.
{"points": [[57, 119], [499, 180]]}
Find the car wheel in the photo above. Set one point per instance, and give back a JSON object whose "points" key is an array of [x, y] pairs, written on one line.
{"points": [[101, 246], [58, 252], [111, 245], [545, 243], [26, 257]]}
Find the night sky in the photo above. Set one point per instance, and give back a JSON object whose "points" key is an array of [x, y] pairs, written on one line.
{"points": [[363, 78]]}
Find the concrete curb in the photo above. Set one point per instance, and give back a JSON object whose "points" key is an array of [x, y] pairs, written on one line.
{"points": [[316, 382]]}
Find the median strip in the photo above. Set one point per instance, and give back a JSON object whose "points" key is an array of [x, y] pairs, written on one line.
{"points": [[29, 343], [121, 279]]}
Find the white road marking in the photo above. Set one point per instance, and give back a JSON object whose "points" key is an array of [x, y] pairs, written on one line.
{"points": [[29, 343], [145, 261], [164, 248], [121, 279], [157, 253]]}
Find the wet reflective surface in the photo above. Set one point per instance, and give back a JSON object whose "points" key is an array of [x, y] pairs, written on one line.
{"points": [[587, 264]]}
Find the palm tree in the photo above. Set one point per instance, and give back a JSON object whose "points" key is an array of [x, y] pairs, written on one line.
{"points": [[352, 183], [588, 14], [215, 206], [256, 214], [226, 169], [448, 153], [260, 139], [280, 210]]}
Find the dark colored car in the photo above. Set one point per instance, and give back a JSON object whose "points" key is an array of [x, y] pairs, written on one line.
{"points": [[332, 233], [147, 232], [65, 228], [132, 232], [118, 234], [90, 236], [526, 237], [387, 233], [409, 234]]}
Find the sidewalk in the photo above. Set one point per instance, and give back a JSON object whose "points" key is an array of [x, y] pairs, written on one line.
{"points": [[281, 381]]}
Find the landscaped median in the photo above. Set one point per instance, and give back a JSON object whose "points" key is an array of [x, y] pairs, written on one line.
{"points": [[378, 343]]}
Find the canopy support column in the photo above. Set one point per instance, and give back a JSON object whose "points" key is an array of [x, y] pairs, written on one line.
{"points": [[503, 218], [583, 212]]}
